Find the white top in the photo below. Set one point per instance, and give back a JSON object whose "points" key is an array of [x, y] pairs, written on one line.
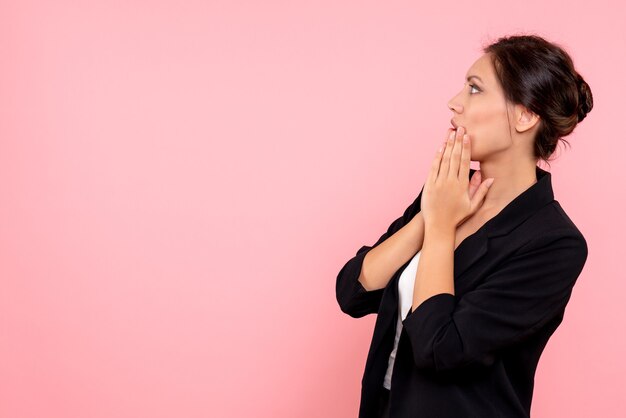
{"points": [[406, 283]]}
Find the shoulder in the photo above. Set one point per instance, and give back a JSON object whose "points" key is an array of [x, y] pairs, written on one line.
{"points": [[547, 229], [551, 224]]}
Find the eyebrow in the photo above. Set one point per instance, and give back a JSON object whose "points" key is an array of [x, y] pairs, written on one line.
{"points": [[475, 76]]}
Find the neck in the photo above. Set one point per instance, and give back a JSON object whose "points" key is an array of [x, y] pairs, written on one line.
{"points": [[510, 180]]}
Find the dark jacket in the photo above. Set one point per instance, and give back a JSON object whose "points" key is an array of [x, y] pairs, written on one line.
{"points": [[473, 354]]}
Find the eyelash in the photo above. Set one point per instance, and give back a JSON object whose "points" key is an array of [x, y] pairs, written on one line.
{"points": [[473, 86]]}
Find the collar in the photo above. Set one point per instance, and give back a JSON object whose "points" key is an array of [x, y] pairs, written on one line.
{"points": [[523, 206]]}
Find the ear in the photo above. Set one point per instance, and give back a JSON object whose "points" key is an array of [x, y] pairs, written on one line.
{"points": [[525, 119]]}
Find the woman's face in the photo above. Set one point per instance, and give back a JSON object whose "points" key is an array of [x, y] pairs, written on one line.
{"points": [[481, 109]]}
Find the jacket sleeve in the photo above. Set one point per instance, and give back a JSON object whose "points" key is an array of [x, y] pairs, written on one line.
{"points": [[528, 290], [352, 297]]}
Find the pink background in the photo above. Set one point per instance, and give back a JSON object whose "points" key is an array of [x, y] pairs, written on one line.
{"points": [[182, 181]]}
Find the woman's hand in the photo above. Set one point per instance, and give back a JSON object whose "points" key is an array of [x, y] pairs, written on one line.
{"points": [[449, 197]]}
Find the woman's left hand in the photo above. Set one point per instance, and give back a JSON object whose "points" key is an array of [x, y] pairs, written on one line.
{"points": [[449, 197]]}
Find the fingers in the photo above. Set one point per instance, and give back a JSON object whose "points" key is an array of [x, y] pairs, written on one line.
{"points": [[465, 159], [480, 194], [474, 183], [455, 153], [453, 159], [459, 156], [444, 168], [435, 167]]}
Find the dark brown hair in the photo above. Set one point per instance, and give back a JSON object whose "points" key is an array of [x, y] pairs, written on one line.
{"points": [[540, 75]]}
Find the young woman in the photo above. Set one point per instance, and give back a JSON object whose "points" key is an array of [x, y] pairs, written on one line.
{"points": [[473, 279]]}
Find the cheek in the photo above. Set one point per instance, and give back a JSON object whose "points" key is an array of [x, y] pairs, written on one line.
{"points": [[486, 139], [488, 127], [487, 120]]}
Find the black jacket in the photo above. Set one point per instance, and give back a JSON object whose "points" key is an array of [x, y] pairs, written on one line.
{"points": [[473, 354]]}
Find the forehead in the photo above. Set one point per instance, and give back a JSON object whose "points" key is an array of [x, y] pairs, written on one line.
{"points": [[483, 68]]}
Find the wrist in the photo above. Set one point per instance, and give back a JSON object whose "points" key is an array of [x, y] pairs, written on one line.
{"points": [[439, 228]]}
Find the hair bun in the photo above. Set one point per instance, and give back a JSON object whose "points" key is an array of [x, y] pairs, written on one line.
{"points": [[585, 98]]}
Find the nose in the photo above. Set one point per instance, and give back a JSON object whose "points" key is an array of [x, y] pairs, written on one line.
{"points": [[454, 106]]}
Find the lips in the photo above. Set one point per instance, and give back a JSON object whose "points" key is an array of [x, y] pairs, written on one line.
{"points": [[453, 124]]}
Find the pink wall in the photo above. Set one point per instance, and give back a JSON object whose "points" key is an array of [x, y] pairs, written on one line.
{"points": [[180, 183]]}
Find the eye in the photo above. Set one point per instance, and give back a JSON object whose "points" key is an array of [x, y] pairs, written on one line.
{"points": [[472, 86]]}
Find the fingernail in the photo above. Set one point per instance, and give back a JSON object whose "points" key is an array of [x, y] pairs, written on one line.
{"points": [[490, 182]]}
